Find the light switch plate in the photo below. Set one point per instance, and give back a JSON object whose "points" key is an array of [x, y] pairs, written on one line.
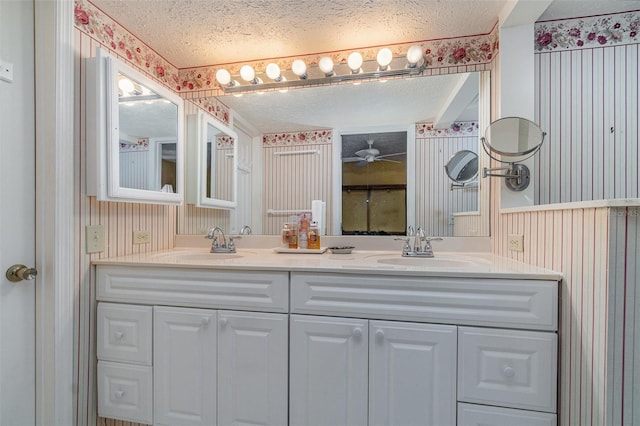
{"points": [[95, 238], [516, 242]]}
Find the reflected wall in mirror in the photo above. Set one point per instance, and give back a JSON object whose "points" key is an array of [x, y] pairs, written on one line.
{"points": [[212, 163], [135, 135], [448, 103]]}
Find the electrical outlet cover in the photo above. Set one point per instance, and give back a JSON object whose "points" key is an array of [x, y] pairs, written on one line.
{"points": [[516, 242], [95, 238]]}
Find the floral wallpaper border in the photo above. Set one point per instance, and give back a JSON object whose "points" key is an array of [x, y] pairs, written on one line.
{"points": [[582, 33], [461, 51], [457, 129], [314, 137], [213, 107], [224, 142], [142, 145], [93, 22]]}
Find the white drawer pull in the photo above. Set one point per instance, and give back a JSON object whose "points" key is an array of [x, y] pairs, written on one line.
{"points": [[205, 321], [508, 371], [223, 322], [357, 332], [119, 335], [119, 394], [380, 335]]}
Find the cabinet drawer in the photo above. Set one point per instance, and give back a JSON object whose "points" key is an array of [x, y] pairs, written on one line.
{"points": [[483, 415], [125, 392], [507, 368], [124, 333], [264, 291]]}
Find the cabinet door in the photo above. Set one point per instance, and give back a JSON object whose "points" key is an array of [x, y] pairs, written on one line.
{"points": [[252, 368], [184, 366], [412, 374], [328, 371]]}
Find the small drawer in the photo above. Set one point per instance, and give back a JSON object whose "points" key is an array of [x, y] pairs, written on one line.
{"points": [[125, 392], [508, 368], [124, 333], [483, 415]]}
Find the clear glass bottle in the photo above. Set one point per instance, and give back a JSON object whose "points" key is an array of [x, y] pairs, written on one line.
{"points": [[285, 235]]}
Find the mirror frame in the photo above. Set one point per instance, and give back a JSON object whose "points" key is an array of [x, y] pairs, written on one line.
{"points": [[103, 136], [197, 129]]}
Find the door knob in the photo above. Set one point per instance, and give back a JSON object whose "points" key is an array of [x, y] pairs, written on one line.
{"points": [[19, 272]]}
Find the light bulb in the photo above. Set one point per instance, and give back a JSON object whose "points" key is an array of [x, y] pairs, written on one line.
{"points": [[273, 71], [247, 73], [326, 66], [355, 62], [223, 76], [414, 55], [384, 58], [126, 86], [299, 68]]}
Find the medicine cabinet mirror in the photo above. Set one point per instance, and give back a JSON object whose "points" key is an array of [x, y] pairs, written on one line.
{"points": [[212, 163], [134, 135]]}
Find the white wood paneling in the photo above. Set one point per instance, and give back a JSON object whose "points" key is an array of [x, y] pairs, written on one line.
{"points": [[588, 104]]}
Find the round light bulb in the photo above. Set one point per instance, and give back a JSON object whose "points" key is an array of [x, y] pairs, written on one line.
{"points": [[223, 76], [247, 73], [414, 54], [326, 65], [299, 68], [273, 71], [384, 57], [354, 61], [126, 86]]}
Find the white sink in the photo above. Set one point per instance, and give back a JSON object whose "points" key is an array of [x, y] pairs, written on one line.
{"points": [[196, 256], [444, 262]]}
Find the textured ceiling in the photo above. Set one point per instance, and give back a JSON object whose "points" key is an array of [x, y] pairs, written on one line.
{"points": [[190, 33]]}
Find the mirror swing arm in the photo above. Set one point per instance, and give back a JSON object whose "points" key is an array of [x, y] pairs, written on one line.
{"points": [[517, 176]]}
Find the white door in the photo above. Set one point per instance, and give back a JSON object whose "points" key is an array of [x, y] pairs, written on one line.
{"points": [[17, 220], [328, 371], [412, 374], [184, 366], [252, 368]]}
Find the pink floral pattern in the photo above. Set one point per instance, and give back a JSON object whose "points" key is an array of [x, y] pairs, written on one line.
{"points": [[142, 145], [461, 129], [607, 30], [224, 142], [92, 21], [314, 137], [214, 107]]}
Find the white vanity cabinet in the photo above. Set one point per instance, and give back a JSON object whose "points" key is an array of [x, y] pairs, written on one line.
{"points": [[207, 365], [466, 351], [347, 371]]}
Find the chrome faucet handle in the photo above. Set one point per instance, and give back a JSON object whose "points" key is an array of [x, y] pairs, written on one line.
{"points": [[427, 244], [410, 231], [232, 245], [406, 248], [417, 244]]}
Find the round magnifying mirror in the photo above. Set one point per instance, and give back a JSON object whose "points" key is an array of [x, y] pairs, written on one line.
{"points": [[462, 167], [513, 138]]}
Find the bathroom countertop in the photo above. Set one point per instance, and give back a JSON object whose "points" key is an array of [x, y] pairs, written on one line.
{"points": [[369, 262]]}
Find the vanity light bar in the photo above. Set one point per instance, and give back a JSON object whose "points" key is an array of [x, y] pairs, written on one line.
{"points": [[325, 72], [300, 151]]}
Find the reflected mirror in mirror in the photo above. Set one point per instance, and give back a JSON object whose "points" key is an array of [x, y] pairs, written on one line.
{"points": [[442, 100], [212, 163], [513, 138], [462, 167]]}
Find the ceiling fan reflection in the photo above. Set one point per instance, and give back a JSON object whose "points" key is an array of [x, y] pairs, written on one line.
{"points": [[369, 155]]}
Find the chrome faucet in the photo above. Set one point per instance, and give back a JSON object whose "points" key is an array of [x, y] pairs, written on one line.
{"points": [[245, 230], [419, 238], [216, 246], [418, 250]]}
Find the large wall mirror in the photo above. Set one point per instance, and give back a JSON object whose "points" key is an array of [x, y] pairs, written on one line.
{"points": [[441, 115], [135, 135], [211, 163]]}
